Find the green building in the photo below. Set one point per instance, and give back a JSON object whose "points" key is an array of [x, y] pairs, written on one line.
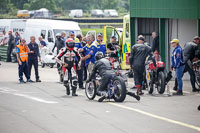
{"points": [[170, 18]]}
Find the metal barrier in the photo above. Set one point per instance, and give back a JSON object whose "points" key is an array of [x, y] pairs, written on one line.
{"points": [[3, 53]]}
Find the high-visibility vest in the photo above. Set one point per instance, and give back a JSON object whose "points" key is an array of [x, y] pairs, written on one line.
{"points": [[23, 54]]}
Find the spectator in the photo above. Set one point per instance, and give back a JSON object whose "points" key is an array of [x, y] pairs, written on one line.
{"points": [[42, 42], [63, 36], [33, 57], [11, 43], [101, 46], [4, 39], [113, 48], [189, 53], [155, 42], [90, 50], [17, 38], [59, 43], [177, 64], [22, 58]]}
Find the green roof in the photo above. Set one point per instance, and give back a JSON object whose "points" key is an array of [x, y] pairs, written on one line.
{"points": [[185, 9]]}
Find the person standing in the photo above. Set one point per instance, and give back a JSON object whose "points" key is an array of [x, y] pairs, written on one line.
{"points": [[155, 42], [11, 42], [42, 42], [4, 39], [139, 53], [177, 64], [189, 53], [22, 58], [101, 46], [33, 57], [113, 48], [59, 43]]}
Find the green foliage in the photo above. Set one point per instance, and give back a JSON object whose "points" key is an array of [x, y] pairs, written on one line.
{"points": [[58, 6]]}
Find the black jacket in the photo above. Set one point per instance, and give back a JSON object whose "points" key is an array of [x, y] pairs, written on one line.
{"points": [[155, 44], [33, 47], [103, 67], [189, 51], [139, 54], [59, 43]]}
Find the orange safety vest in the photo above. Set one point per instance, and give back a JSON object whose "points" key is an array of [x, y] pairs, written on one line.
{"points": [[23, 54]]}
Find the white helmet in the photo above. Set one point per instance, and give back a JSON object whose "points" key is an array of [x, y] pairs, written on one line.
{"points": [[58, 34]]}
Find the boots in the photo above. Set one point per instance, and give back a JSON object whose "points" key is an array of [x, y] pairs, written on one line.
{"points": [[103, 96], [74, 91], [133, 95], [139, 90], [66, 84]]}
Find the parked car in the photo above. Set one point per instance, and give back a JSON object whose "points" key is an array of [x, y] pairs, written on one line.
{"points": [[78, 13], [97, 13], [110, 13], [23, 14]]}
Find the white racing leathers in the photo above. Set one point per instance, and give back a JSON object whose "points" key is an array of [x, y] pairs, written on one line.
{"points": [[69, 58]]}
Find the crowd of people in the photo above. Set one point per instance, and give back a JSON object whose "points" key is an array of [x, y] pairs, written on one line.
{"points": [[76, 55]]}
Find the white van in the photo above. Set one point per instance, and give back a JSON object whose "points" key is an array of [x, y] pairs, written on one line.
{"points": [[77, 13], [110, 13], [41, 27]]}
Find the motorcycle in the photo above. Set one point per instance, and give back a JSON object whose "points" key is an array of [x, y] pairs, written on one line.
{"points": [[196, 68], [47, 57], [116, 89], [155, 77]]}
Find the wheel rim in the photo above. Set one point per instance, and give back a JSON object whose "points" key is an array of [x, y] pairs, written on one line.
{"points": [[90, 89], [117, 89]]}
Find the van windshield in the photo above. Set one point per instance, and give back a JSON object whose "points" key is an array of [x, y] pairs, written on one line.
{"points": [[66, 31]]}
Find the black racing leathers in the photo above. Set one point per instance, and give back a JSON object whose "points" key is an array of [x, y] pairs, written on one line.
{"points": [[139, 53], [104, 68]]}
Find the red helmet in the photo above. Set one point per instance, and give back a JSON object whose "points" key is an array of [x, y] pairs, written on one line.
{"points": [[70, 43]]}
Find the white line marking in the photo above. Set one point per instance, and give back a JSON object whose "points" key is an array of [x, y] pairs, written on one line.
{"points": [[153, 115], [13, 92], [34, 98]]}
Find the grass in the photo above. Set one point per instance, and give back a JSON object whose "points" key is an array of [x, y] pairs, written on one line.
{"points": [[98, 30]]}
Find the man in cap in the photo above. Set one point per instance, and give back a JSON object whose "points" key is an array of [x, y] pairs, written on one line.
{"points": [[101, 46], [189, 53], [113, 48], [139, 53]]}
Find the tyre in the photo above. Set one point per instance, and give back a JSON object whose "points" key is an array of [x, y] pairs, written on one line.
{"points": [[161, 82], [91, 90], [120, 89], [51, 65], [150, 85], [42, 64]]}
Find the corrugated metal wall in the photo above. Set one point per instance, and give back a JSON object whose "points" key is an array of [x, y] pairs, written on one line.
{"points": [[189, 9]]}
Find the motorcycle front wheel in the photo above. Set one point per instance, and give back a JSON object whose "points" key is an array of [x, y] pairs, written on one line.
{"points": [[161, 82], [91, 90]]}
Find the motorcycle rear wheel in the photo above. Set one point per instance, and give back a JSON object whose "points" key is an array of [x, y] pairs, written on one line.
{"points": [[120, 94]]}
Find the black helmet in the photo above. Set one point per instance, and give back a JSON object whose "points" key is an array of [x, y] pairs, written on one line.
{"points": [[99, 55]]}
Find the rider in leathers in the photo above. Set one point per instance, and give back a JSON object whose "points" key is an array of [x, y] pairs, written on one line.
{"points": [[104, 68], [137, 60], [69, 66]]}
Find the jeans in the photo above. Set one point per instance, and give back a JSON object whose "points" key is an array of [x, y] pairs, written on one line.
{"points": [[23, 69], [33, 62], [179, 74]]}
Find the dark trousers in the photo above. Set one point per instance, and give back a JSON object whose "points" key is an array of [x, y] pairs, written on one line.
{"points": [[192, 76], [84, 73], [23, 69], [80, 77], [138, 71], [9, 51], [33, 62], [104, 82]]}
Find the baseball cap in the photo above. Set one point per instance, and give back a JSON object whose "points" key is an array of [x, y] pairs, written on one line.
{"points": [[71, 32], [196, 37], [141, 38], [175, 41], [100, 34]]}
